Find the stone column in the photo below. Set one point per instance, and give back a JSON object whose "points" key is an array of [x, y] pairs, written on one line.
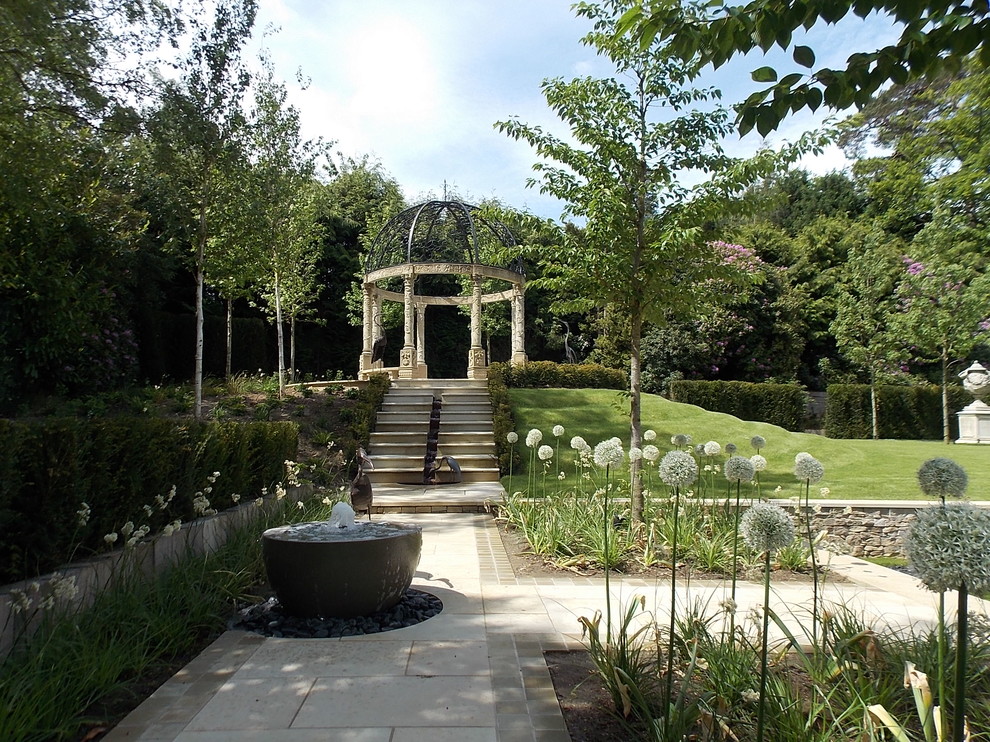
{"points": [[421, 372], [368, 327], [477, 365], [377, 326], [518, 326], [407, 356]]}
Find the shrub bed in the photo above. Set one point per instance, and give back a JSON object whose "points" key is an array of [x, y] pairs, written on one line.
{"points": [[777, 404], [905, 412], [118, 467]]}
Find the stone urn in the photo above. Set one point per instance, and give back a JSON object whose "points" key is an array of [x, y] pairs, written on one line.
{"points": [[323, 570], [974, 418]]}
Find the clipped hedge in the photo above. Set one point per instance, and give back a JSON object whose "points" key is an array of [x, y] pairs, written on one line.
{"points": [[778, 404], [502, 418], [117, 466], [905, 412], [538, 374]]}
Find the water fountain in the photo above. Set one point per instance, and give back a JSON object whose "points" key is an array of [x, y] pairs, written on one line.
{"points": [[341, 568]]}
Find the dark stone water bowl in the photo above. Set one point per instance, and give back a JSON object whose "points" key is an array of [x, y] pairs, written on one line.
{"points": [[321, 570]]}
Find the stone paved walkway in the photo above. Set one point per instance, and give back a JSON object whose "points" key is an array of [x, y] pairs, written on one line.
{"points": [[474, 673]]}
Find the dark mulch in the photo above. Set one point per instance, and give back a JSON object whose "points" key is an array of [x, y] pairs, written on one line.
{"points": [[583, 699]]}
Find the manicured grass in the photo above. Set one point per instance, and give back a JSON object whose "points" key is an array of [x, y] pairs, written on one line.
{"points": [[854, 469]]}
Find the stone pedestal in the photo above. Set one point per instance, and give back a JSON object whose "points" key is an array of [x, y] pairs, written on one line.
{"points": [[477, 364], [974, 423]]}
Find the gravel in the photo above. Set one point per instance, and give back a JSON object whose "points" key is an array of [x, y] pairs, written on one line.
{"points": [[268, 619]]}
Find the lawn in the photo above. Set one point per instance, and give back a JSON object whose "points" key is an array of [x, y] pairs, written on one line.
{"points": [[854, 469]]}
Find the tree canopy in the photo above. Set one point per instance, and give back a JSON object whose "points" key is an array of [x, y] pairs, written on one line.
{"points": [[935, 36]]}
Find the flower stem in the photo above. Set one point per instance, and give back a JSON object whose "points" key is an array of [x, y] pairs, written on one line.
{"points": [[814, 564], [760, 714], [735, 565], [673, 598], [959, 708]]}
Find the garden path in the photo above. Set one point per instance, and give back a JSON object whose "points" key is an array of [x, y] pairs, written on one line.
{"points": [[473, 673]]}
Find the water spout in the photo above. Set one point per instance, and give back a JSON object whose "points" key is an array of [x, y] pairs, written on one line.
{"points": [[342, 516]]}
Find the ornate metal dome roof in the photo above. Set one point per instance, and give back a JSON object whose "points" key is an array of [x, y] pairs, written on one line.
{"points": [[439, 232]]}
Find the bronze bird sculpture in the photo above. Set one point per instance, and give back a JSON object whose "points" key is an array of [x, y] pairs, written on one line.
{"points": [[361, 494]]}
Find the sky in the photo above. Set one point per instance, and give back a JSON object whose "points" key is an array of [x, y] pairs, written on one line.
{"points": [[418, 84]]}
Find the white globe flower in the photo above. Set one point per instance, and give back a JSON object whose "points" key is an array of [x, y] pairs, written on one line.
{"points": [[651, 453], [759, 463], [650, 435], [635, 454], [545, 453], [558, 430], [533, 438], [609, 453], [512, 437], [678, 468], [712, 448], [579, 444]]}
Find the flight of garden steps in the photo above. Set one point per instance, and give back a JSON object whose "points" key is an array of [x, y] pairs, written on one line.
{"points": [[399, 444]]}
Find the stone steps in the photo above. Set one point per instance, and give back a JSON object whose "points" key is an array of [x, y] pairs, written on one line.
{"points": [[399, 445]]}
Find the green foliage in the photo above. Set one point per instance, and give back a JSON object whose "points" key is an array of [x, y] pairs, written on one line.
{"points": [[563, 376], [777, 404], [117, 466], [934, 36], [502, 421], [906, 412], [361, 417]]}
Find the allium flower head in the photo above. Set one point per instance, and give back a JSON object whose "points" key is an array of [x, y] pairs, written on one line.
{"points": [[739, 469], [545, 453], [533, 438], [757, 442], [512, 437], [651, 452], [649, 435], [766, 527], [802, 455], [950, 546], [558, 430], [809, 469], [940, 477], [609, 453], [635, 453], [680, 440], [731, 448], [579, 444], [712, 448], [759, 463], [678, 468], [699, 450]]}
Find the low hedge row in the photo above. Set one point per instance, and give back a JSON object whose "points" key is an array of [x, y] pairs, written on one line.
{"points": [[905, 412], [502, 419], [778, 404], [117, 466], [537, 374]]}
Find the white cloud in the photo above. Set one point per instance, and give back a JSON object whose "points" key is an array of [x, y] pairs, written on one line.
{"points": [[419, 84]]}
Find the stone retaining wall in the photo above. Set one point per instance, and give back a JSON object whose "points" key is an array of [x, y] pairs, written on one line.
{"points": [[864, 532]]}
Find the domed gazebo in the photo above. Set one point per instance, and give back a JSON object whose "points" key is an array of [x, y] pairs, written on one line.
{"points": [[438, 238]]}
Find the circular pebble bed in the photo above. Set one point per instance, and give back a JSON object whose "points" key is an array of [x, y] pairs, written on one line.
{"points": [[268, 619]]}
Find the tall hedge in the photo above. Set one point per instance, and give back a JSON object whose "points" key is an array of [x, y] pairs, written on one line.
{"points": [[905, 412], [778, 404], [48, 469]]}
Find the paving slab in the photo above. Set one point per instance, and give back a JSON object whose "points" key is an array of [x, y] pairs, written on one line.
{"points": [[475, 672]]}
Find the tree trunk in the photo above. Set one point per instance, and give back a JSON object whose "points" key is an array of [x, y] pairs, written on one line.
{"points": [[292, 348], [200, 281], [874, 404], [280, 333], [230, 332], [945, 395], [635, 408]]}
